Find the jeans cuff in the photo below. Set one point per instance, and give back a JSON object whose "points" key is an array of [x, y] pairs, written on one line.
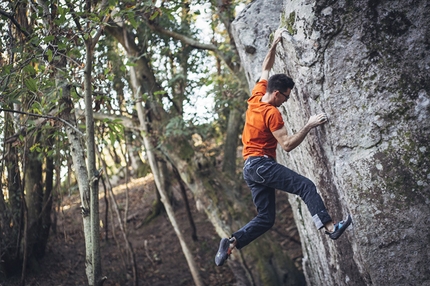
{"points": [[321, 218]]}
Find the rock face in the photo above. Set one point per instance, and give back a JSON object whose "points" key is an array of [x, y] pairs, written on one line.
{"points": [[367, 65]]}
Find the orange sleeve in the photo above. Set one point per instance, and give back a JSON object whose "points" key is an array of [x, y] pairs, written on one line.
{"points": [[274, 120], [260, 88]]}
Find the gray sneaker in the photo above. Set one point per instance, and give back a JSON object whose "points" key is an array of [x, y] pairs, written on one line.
{"points": [[339, 228], [223, 251]]}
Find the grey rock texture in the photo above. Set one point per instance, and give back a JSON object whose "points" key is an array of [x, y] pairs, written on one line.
{"points": [[367, 65]]}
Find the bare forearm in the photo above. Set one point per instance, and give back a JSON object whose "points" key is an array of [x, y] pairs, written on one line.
{"points": [[288, 143], [291, 142], [270, 58]]}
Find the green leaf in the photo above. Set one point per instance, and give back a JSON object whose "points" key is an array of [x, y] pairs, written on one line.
{"points": [[49, 38], [31, 84], [30, 69], [74, 53], [153, 16], [35, 41], [62, 18], [36, 147], [6, 69], [15, 100], [168, 12], [133, 22], [49, 54], [62, 46]]}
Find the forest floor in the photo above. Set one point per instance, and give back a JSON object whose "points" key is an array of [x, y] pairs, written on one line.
{"points": [[158, 255]]}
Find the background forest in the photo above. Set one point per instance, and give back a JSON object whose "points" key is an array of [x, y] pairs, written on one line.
{"points": [[97, 92], [120, 132]]}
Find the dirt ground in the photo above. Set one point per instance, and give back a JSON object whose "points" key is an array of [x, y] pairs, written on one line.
{"points": [[157, 251]]}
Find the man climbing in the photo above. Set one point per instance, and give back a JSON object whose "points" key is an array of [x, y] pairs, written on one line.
{"points": [[264, 129]]}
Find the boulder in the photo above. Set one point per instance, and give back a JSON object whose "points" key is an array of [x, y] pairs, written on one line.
{"points": [[367, 65]]}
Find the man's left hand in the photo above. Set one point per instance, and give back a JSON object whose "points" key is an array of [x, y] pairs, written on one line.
{"points": [[318, 119]]}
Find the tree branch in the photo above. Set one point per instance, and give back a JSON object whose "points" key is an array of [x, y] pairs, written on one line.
{"points": [[75, 18], [11, 17], [192, 42], [99, 32], [127, 122], [186, 40], [42, 116], [234, 69]]}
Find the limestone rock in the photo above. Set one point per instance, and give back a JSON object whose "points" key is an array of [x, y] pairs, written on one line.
{"points": [[367, 65]]}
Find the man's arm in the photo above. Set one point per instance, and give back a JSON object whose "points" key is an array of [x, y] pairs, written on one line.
{"points": [[270, 57], [288, 143]]}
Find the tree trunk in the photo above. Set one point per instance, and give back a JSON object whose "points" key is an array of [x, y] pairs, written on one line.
{"points": [[34, 198], [92, 171], [235, 122], [77, 151], [159, 181], [11, 211], [183, 191], [364, 63], [14, 176], [142, 80], [47, 204]]}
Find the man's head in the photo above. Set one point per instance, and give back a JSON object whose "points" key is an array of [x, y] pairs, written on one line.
{"points": [[279, 82]]}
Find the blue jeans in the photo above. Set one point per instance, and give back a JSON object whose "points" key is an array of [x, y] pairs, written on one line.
{"points": [[263, 175]]}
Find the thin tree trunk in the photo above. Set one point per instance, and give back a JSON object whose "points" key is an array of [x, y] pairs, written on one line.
{"points": [[130, 247], [187, 205], [91, 159], [165, 198], [25, 242], [78, 157], [56, 197], [14, 214], [45, 215], [231, 141], [24, 219], [106, 224], [148, 83], [33, 201]]}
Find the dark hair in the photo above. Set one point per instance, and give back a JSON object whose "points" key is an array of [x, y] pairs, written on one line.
{"points": [[279, 82]]}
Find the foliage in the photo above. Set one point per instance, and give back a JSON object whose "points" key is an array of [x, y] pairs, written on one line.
{"points": [[38, 37]]}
